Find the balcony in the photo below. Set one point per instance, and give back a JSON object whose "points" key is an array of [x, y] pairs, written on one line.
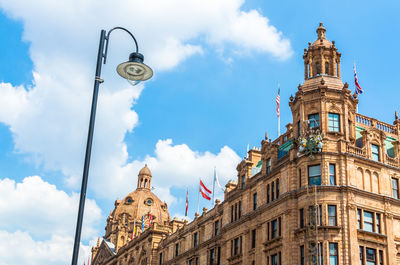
{"points": [[367, 122]]}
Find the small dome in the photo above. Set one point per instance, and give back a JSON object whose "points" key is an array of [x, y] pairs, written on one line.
{"points": [[322, 41], [145, 171]]}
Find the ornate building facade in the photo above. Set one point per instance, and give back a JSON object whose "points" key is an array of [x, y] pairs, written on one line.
{"points": [[324, 192]]}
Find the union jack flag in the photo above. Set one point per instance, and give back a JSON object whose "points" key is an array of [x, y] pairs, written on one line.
{"points": [[359, 90]]}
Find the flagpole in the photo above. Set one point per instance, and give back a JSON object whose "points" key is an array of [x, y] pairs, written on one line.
{"points": [[279, 112], [213, 202], [354, 68], [198, 198]]}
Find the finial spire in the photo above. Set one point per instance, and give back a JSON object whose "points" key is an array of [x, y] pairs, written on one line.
{"points": [[321, 31]]}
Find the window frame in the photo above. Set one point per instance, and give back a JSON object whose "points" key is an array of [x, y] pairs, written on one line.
{"points": [[375, 155], [335, 254], [332, 177], [314, 177], [368, 224], [333, 123], [395, 191], [313, 120], [332, 217]]}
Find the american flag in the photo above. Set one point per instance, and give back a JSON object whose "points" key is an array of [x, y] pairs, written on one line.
{"points": [[278, 101], [359, 90]]}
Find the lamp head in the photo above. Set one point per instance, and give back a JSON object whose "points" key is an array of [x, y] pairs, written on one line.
{"points": [[135, 70]]}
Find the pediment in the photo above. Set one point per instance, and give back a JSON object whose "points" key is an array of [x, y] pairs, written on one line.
{"points": [[103, 254]]}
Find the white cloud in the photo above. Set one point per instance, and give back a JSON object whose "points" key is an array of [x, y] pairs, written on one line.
{"points": [[37, 222], [172, 166], [20, 248]]}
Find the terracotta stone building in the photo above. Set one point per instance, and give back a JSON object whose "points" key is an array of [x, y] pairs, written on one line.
{"points": [[325, 192]]}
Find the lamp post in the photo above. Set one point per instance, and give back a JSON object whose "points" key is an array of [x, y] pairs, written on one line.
{"points": [[134, 70]]}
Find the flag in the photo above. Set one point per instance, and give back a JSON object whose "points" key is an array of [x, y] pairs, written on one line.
{"points": [[278, 102], [88, 260], [359, 90], [206, 193], [143, 222], [150, 216], [187, 202], [134, 229], [216, 180]]}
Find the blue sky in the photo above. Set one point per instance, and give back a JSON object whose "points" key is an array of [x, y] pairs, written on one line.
{"points": [[216, 64]]}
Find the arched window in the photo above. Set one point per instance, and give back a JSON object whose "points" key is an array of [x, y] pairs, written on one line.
{"points": [[327, 68], [318, 66], [145, 183]]}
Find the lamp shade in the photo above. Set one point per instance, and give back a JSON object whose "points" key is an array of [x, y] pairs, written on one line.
{"points": [[134, 69]]}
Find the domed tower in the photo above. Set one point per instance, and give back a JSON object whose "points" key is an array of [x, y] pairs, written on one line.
{"points": [[322, 57], [134, 210], [323, 102]]}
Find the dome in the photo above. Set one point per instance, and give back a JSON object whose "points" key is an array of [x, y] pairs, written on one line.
{"points": [[321, 41], [140, 203], [145, 171]]}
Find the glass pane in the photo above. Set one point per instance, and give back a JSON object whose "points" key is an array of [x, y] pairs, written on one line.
{"points": [[315, 181], [368, 217], [332, 249], [314, 171], [332, 260]]}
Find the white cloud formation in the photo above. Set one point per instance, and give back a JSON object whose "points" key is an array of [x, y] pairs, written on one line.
{"points": [[37, 222], [49, 120], [172, 165]]}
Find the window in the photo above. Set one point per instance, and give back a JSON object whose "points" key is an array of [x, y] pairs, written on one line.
{"points": [[274, 259], [232, 213], [160, 259], [380, 257], [236, 246], [176, 249], [268, 193], [371, 256], [313, 121], [321, 253], [196, 261], [368, 221], [302, 257], [332, 215], [318, 66], [333, 122], [359, 218], [332, 174], [277, 188], [299, 178], [327, 68], [333, 254], [378, 222], [195, 239], [274, 229], [395, 188], [268, 165], [216, 227], [218, 255], [361, 255], [272, 191], [253, 238], [314, 175], [315, 214], [212, 256], [255, 201], [236, 211], [243, 181], [375, 152], [240, 209], [301, 218]]}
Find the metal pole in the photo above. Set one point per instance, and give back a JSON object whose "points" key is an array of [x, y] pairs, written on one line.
{"points": [[97, 81]]}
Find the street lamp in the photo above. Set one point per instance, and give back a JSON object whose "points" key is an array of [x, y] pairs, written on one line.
{"points": [[135, 71]]}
